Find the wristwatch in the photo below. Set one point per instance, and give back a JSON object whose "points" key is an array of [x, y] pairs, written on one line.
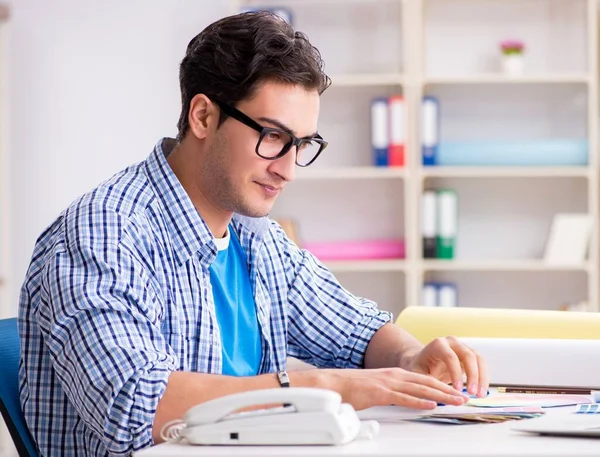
{"points": [[284, 379]]}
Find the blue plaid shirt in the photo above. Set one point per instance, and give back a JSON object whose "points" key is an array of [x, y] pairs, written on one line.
{"points": [[118, 296]]}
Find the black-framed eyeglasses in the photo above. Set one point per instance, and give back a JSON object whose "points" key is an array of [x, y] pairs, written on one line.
{"points": [[275, 143]]}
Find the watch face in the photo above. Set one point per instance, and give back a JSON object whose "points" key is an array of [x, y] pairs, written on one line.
{"points": [[284, 380]]}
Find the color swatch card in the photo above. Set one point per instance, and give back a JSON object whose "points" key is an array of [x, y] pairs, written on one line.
{"points": [[588, 409], [543, 401], [454, 410], [469, 415]]}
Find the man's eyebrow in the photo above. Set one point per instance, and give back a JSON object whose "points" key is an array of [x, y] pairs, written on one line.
{"points": [[284, 127]]}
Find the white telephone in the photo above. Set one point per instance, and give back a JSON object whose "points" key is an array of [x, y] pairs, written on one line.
{"points": [[310, 416]]}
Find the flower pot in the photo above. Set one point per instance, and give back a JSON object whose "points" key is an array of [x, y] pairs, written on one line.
{"points": [[513, 64]]}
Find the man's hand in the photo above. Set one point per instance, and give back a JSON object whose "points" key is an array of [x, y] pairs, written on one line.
{"points": [[448, 360], [363, 388]]}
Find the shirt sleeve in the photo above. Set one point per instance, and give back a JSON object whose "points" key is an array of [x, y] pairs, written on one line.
{"points": [[327, 325], [101, 326]]}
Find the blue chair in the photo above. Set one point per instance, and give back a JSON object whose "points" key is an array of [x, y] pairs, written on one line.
{"points": [[10, 407]]}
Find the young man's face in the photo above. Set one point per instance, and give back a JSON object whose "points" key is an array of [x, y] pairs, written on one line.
{"points": [[241, 181]]}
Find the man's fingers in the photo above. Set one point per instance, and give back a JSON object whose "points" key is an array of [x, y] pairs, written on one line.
{"points": [[446, 353], [433, 383], [431, 393], [470, 361], [429, 384], [395, 375], [484, 381], [408, 401]]}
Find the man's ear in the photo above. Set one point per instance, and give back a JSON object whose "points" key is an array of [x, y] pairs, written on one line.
{"points": [[203, 116]]}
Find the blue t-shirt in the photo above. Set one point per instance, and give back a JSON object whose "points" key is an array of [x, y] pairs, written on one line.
{"points": [[235, 308]]}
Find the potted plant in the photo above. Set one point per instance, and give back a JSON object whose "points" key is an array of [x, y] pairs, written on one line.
{"points": [[512, 57]]}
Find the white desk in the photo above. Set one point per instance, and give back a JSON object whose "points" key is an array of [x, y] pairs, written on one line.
{"points": [[563, 362], [398, 437]]}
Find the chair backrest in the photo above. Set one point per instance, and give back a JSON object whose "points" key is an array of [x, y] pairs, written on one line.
{"points": [[427, 323], [10, 407]]}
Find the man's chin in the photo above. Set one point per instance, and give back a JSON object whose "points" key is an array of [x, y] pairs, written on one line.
{"points": [[255, 212]]}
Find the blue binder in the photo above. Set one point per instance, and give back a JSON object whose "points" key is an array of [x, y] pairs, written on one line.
{"points": [[430, 129], [380, 137]]}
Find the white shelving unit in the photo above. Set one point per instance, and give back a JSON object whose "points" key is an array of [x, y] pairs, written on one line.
{"points": [[505, 214], [383, 79], [351, 173], [340, 266], [498, 265], [505, 172], [566, 78], [448, 48]]}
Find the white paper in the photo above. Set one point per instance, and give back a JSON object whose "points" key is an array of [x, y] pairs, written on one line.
{"points": [[568, 239], [539, 361]]}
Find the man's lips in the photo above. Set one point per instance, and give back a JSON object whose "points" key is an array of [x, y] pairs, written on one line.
{"points": [[270, 187]]}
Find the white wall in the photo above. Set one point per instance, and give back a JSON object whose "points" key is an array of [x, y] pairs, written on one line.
{"points": [[92, 86], [88, 87]]}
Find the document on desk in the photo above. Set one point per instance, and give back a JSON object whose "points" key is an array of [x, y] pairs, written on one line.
{"points": [[543, 401]]}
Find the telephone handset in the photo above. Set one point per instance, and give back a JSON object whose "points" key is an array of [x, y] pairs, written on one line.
{"points": [[310, 416]]}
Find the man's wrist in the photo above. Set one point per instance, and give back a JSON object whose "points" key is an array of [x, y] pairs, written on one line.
{"points": [[391, 346], [310, 378], [408, 355]]}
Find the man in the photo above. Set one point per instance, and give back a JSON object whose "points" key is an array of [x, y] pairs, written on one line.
{"points": [[168, 286]]}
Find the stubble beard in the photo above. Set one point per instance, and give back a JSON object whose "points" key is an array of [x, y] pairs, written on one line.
{"points": [[225, 192]]}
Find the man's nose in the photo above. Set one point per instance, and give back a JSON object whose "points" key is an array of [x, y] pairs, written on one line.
{"points": [[285, 167]]}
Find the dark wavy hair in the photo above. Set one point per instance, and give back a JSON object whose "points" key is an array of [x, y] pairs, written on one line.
{"points": [[231, 57]]}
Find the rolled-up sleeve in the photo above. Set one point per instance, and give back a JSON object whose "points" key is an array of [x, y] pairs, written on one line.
{"points": [[327, 325], [101, 324]]}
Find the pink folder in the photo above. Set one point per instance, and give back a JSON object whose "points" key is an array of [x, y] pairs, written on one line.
{"points": [[357, 250]]}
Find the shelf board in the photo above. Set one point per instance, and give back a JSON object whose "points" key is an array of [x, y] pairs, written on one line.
{"points": [[278, 3], [340, 266], [498, 265], [303, 2], [505, 172], [582, 78], [375, 79], [351, 173]]}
